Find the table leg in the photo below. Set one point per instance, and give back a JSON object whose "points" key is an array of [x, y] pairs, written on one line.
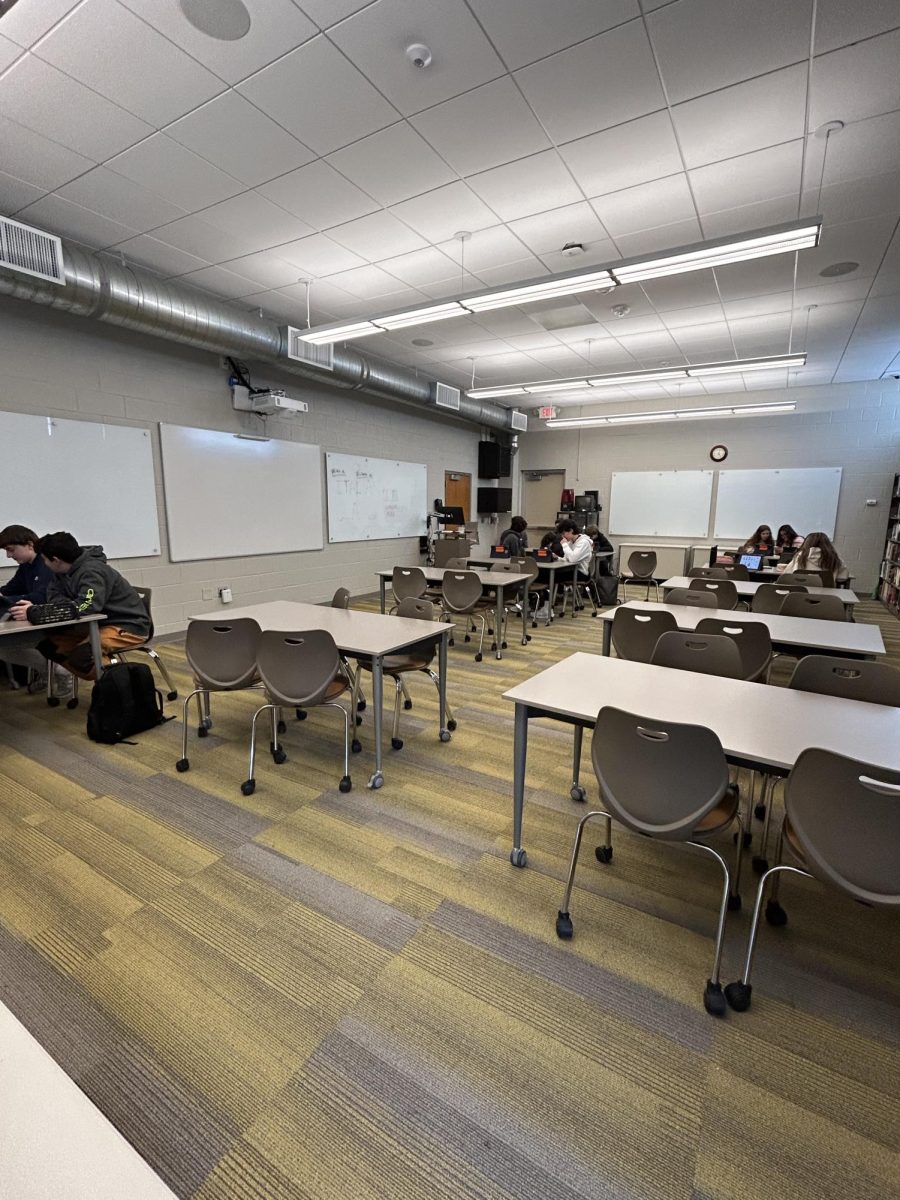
{"points": [[552, 597], [607, 637], [576, 791], [760, 862], [442, 687], [526, 637], [96, 652], [517, 855], [376, 780], [498, 622], [381, 585]]}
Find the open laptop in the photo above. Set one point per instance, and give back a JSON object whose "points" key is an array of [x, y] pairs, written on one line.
{"points": [[751, 561], [786, 555], [713, 555]]}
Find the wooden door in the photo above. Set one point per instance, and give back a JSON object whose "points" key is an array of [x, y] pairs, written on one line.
{"points": [[458, 491]]}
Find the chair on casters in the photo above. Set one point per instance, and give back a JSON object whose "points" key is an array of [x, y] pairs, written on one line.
{"points": [[299, 670], [707, 573], [396, 666], [463, 596], [769, 597], [635, 633], [457, 564], [825, 608], [691, 598], [222, 658], [724, 590], [809, 578], [642, 565], [407, 581], [736, 571], [710, 654], [842, 827], [871, 682], [670, 782], [146, 595], [751, 638]]}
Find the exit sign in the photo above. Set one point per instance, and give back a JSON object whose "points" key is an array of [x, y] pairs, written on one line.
{"points": [[547, 412]]}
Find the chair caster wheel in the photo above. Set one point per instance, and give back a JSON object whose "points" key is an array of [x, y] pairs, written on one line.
{"points": [[282, 727], [358, 719], [775, 914], [503, 645], [279, 757], [760, 864], [396, 743], [171, 695], [577, 792], [518, 857], [478, 658], [748, 839], [206, 722], [534, 624], [563, 925], [407, 704], [738, 995], [451, 642], [182, 765], [53, 701], [248, 787], [444, 735], [604, 854], [714, 999], [361, 705], [302, 714], [202, 731], [356, 746], [493, 645], [451, 724], [467, 638], [759, 812], [734, 902], [73, 703], [345, 785]]}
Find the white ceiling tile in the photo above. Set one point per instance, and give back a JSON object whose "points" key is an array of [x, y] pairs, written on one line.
{"points": [[16, 193], [37, 160], [872, 196], [319, 255], [839, 23], [602, 82], [439, 214], [755, 306], [319, 195], [750, 216], [220, 281], [531, 185], [375, 39], [31, 21], [492, 248], [706, 341], [748, 116], [121, 200], [646, 206], [863, 148], [37, 95], [256, 221], [70, 220], [377, 236], [663, 237], [158, 256], [834, 291], [172, 171], [423, 266], [704, 314], [619, 158], [653, 346], [552, 230], [507, 128], [276, 27], [328, 12], [392, 165], [371, 282], [512, 272], [863, 241], [456, 285], [681, 291], [230, 133], [212, 243], [274, 306], [620, 327], [524, 30], [707, 44], [266, 267], [100, 45], [595, 253], [319, 96], [9, 52], [856, 82], [323, 295], [763, 175], [756, 277]]}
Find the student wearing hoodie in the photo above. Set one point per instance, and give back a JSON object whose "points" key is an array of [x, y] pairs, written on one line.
{"points": [[27, 586], [515, 539]]}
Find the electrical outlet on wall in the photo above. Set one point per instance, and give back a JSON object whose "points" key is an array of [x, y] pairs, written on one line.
{"points": [[225, 595], [207, 593]]}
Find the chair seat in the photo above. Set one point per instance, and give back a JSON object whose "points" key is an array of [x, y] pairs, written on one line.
{"points": [[720, 816], [793, 842], [394, 664], [337, 687]]}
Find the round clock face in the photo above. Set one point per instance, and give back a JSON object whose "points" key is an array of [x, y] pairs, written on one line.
{"points": [[718, 453]]}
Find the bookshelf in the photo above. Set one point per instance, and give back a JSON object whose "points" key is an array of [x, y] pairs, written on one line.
{"points": [[889, 586]]}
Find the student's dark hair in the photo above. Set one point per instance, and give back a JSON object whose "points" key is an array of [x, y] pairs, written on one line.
{"points": [[548, 539], [786, 535], [518, 524], [756, 537], [568, 527], [18, 535], [829, 559], [592, 530], [59, 545]]}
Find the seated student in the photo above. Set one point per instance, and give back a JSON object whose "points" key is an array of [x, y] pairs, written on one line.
{"points": [[27, 586], [577, 547], [760, 542], [551, 541], [82, 575], [816, 554], [515, 539], [601, 544], [788, 539]]}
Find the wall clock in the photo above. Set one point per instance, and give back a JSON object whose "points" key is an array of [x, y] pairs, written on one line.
{"points": [[718, 453]]}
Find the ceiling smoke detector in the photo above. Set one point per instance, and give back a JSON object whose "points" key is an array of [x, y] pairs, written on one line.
{"points": [[419, 55], [620, 310], [572, 250]]}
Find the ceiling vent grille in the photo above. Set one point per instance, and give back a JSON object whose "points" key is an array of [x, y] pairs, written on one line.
{"points": [[519, 421], [446, 396], [31, 251], [306, 352]]}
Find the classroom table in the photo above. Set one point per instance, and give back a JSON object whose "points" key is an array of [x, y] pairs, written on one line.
{"points": [[551, 567], [12, 629], [763, 728], [500, 582], [357, 634], [747, 589], [789, 634]]}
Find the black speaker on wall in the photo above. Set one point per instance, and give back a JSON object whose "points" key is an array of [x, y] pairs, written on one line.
{"points": [[494, 460], [494, 500]]}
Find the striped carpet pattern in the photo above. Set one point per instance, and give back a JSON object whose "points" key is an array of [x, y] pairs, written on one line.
{"points": [[306, 995]]}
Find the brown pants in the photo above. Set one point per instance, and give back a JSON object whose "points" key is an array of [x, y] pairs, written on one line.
{"points": [[73, 650]]}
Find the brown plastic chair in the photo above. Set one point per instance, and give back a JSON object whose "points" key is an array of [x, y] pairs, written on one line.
{"points": [[808, 578], [725, 592], [736, 571], [341, 598], [669, 782], [691, 598], [769, 597], [871, 682], [146, 594], [635, 633], [842, 827], [642, 565], [407, 581], [825, 608], [457, 564], [463, 596], [751, 638], [299, 670], [707, 573], [709, 653], [222, 657]]}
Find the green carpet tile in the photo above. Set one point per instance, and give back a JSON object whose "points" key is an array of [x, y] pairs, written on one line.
{"points": [[307, 995]]}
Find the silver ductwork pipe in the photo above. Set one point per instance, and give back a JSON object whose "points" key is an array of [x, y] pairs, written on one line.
{"points": [[102, 289]]}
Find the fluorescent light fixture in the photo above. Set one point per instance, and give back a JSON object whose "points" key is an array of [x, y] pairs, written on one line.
{"points": [[671, 376], [325, 335], [568, 285], [776, 361], [801, 235], [488, 393], [421, 316], [561, 385], [684, 414]]}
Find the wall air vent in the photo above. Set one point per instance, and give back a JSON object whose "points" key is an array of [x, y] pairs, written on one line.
{"points": [[306, 352], [31, 251], [519, 421], [446, 396]]}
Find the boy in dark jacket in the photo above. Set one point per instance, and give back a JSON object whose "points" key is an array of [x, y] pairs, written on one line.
{"points": [[515, 540], [28, 586]]}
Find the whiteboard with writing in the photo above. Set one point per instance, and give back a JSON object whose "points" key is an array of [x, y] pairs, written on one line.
{"points": [[371, 498]]}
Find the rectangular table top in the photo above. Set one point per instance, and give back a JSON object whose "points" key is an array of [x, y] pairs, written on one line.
{"points": [[759, 725], [845, 637], [11, 628], [749, 587], [354, 632], [488, 578]]}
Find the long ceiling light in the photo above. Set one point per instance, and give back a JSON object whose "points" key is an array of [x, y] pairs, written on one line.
{"points": [[624, 379], [683, 414], [781, 239]]}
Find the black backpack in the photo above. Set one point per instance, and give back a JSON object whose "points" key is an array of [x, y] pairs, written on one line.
{"points": [[124, 701], [607, 589]]}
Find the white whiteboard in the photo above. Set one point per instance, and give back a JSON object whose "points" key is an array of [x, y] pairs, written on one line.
{"points": [[660, 503], [92, 479], [372, 498], [228, 496], [805, 497]]}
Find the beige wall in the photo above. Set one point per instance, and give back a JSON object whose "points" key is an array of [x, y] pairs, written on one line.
{"points": [[69, 367]]}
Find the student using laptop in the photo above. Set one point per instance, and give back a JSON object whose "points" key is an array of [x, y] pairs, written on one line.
{"points": [[759, 542], [515, 539], [788, 539], [816, 554], [27, 586]]}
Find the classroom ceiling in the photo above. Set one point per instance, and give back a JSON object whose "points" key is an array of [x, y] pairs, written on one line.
{"points": [[312, 148]]}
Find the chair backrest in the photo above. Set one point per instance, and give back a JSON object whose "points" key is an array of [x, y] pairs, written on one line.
{"points": [[635, 633], [690, 597], [459, 564], [412, 606], [872, 682], [709, 653], [340, 599], [751, 638], [809, 578], [736, 571], [659, 778], [707, 573], [296, 668], [723, 589], [828, 578], [642, 563], [769, 597], [222, 653], [846, 815], [808, 604], [146, 595], [444, 549], [408, 581], [461, 589]]}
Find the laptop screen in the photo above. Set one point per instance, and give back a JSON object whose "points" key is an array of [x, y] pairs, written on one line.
{"points": [[751, 561], [786, 555], [713, 555]]}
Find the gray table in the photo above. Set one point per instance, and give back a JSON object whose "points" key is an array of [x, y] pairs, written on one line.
{"points": [[551, 567], [357, 634], [788, 634], [12, 629], [763, 728], [747, 589]]}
